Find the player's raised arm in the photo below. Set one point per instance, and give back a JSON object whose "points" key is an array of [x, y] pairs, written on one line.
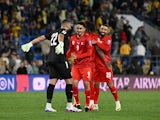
{"points": [[26, 47]]}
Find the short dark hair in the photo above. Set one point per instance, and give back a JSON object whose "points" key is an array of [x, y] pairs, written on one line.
{"points": [[90, 26], [105, 25], [81, 23], [65, 21]]}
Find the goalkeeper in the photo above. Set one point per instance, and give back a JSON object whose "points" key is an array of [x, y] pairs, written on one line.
{"points": [[58, 65]]}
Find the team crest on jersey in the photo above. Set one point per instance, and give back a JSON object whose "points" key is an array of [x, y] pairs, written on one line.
{"points": [[109, 42]]}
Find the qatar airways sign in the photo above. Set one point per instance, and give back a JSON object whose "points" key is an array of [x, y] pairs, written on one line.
{"points": [[22, 83], [135, 83]]}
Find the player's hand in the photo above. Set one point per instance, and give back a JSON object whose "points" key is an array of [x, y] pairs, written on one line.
{"points": [[73, 56], [71, 60], [93, 42], [26, 47], [60, 48]]}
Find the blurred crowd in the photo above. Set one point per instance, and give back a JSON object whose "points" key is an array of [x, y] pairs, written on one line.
{"points": [[23, 20]]}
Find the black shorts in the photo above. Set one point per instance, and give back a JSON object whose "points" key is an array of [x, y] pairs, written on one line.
{"points": [[60, 70]]}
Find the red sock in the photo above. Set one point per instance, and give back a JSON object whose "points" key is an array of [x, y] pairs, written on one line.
{"points": [[87, 95], [96, 95], [75, 95], [91, 91], [114, 92]]}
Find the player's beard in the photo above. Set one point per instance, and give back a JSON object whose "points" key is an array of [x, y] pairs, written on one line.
{"points": [[80, 34], [102, 34]]}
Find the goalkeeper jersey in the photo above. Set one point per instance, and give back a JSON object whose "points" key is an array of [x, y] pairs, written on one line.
{"points": [[53, 37]]}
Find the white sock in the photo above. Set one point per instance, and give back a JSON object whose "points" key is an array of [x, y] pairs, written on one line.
{"points": [[91, 102], [117, 102], [48, 105], [69, 104]]}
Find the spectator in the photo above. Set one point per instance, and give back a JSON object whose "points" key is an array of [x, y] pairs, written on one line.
{"points": [[3, 68], [115, 42], [22, 69], [125, 50], [146, 66], [35, 68]]}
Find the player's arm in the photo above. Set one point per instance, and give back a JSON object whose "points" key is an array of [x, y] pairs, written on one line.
{"points": [[70, 50], [86, 54], [102, 56], [26, 47], [89, 51], [104, 45]]}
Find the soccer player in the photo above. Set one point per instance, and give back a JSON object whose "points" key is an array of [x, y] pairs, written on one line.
{"points": [[58, 65], [92, 36], [81, 50], [103, 66]]}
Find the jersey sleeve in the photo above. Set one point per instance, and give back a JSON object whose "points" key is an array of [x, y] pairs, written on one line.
{"points": [[48, 36], [105, 44]]}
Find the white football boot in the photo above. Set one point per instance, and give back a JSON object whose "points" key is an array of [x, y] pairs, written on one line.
{"points": [[49, 108], [118, 106]]}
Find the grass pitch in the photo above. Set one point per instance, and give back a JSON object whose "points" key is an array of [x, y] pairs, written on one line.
{"points": [[136, 105]]}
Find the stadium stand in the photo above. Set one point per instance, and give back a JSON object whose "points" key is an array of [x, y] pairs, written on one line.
{"points": [[23, 20]]}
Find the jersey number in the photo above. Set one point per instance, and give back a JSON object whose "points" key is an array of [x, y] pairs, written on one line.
{"points": [[108, 74], [53, 39]]}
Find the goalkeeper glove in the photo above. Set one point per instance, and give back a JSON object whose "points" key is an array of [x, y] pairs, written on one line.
{"points": [[59, 48], [26, 47]]}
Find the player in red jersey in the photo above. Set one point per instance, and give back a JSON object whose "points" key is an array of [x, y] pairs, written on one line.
{"points": [[92, 36], [81, 50], [103, 71]]}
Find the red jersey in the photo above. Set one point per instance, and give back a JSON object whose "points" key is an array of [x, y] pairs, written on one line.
{"points": [[104, 43], [82, 47]]}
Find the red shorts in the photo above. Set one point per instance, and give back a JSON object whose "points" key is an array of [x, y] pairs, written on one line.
{"points": [[103, 75], [81, 73]]}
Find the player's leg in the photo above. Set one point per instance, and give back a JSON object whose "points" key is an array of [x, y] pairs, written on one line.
{"points": [[113, 89], [76, 77], [86, 77], [97, 80], [96, 95], [69, 90], [115, 95], [65, 73], [91, 103], [50, 88], [50, 91], [87, 94]]}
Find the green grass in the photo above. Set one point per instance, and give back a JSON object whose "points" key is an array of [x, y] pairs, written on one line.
{"points": [[136, 105]]}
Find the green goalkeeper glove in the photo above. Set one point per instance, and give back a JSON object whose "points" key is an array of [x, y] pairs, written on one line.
{"points": [[59, 48], [26, 47]]}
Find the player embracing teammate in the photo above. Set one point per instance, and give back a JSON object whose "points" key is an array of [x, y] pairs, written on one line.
{"points": [[92, 64], [103, 69]]}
